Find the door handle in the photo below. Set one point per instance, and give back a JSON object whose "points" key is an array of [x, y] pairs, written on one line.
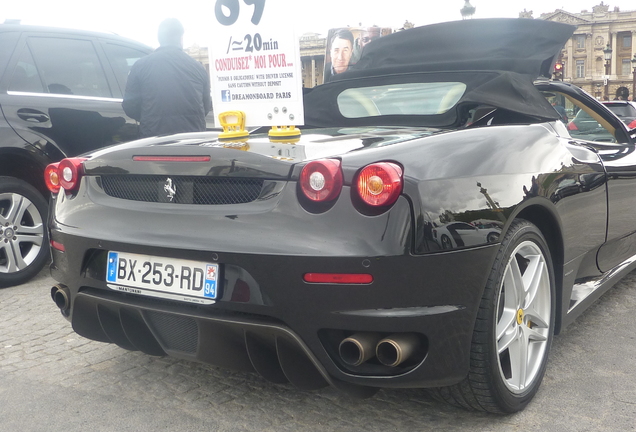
{"points": [[33, 116]]}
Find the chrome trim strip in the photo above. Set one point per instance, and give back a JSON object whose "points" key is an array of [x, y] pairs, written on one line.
{"points": [[64, 96], [404, 312]]}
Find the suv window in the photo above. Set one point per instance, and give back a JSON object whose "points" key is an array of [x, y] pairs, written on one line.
{"points": [[25, 76], [69, 66], [7, 43], [122, 58]]}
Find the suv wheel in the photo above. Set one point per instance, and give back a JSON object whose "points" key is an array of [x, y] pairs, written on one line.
{"points": [[23, 236]]}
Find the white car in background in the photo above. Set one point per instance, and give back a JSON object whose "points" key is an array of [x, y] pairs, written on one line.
{"points": [[460, 234]]}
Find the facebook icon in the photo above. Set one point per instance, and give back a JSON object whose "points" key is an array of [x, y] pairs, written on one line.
{"points": [[225, 96]]}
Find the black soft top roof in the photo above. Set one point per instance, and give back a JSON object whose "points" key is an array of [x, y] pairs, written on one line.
{"points": [[498, 60]]}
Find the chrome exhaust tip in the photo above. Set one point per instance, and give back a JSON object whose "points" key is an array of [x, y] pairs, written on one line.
{"points": [[397, 348], [358, 348]]}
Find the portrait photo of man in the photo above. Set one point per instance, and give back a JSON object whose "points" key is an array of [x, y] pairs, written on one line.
{"points": [[345, 46], [340, 50]]}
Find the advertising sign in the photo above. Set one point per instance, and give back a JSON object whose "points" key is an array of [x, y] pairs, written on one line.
{"points": [[255, 62]]}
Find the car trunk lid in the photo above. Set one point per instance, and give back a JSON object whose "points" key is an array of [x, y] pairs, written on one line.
{"points": [[257, 157]]}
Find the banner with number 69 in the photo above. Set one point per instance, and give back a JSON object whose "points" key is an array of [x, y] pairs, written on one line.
{"points": [[255, 62]]}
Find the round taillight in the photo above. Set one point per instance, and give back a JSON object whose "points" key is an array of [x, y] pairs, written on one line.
{"points": [[321, 180], [380, 184], [52, 178], [69, 172]]}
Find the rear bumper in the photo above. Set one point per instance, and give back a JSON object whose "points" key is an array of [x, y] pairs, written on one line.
{"points": [[266, 317], [270, 321]]}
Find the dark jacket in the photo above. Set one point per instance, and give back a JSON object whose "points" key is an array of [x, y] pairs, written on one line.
{"points": [[167, 92]]}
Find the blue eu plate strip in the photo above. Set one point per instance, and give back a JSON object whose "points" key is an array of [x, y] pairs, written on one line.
{"points": [[111, 274]]}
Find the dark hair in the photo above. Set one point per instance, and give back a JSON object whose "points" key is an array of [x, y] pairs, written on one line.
{"points": [[342, 34], [622, 93], [170, 32]]}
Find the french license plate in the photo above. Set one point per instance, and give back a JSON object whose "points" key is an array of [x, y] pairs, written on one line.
{"points": [[170, 278]]}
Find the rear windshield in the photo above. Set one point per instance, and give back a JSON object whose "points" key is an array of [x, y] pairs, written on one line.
{"points": [[623, 110], [400, 99]]}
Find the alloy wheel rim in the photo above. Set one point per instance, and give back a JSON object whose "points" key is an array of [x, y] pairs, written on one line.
{"points": [[523, 317], [21, 232]]}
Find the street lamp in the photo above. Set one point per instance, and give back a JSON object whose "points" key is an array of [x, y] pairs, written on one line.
{"points": [[468, 10], [634, 82], [607, 52]]}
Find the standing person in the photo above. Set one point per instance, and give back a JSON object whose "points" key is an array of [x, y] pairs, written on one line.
{"points": [[561, 111], [340, 51], [366, 35], [168, 91]]}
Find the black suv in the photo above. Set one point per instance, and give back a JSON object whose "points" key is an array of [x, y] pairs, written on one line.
{"points": [[60, 95]]}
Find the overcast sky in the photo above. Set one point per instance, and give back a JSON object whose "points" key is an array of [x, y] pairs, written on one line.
{"points": [[138, 19]]}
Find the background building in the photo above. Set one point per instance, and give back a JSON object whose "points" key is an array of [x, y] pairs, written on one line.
{"points": [[312, 57], [583, 56]]}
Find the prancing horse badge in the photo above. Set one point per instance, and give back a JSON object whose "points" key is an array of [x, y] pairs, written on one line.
{"points": [[170, 189]]}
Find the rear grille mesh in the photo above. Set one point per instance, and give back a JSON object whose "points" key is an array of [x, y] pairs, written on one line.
{"points": [[187, 189], [175, 332]]}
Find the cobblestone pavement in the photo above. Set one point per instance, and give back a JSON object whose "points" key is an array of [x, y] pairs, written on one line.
{"points": [[52, 379]]}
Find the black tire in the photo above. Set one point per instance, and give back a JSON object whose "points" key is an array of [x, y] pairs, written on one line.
{"points": [[446, 242], [24, 245], [495, 383]]}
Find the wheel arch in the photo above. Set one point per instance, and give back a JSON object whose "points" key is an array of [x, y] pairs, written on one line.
{"points": [[21, 165], [547, 221]]}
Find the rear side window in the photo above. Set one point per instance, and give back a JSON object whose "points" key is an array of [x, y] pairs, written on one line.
{"points": [[69, 66], [25, 76], [122, 58], [7, 45]]}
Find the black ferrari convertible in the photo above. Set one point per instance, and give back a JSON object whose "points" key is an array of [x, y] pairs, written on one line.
{"points": [[434, 225]]}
